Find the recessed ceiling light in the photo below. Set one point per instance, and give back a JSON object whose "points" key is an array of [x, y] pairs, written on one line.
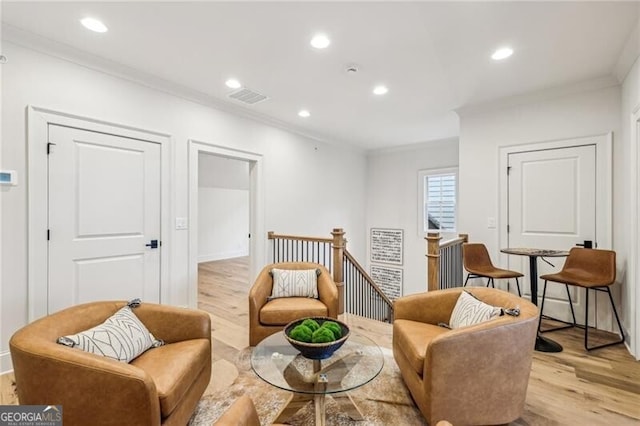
{"points": [[233, 83], [502, 53], [94, 25], [380, 90], [320, 41], [304, 113]]}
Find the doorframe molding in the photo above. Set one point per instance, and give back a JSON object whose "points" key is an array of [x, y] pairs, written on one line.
{"points": [[634, 228], [257, 243], [38, 121], [604, 182]]}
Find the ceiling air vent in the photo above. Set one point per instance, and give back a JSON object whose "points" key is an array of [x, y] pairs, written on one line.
{"points": [[247, 96]]}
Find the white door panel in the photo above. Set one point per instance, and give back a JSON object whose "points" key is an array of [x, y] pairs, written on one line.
{"points": [[552, 205], [104, 207]]}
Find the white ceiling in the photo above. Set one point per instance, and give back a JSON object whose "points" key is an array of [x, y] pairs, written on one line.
{"points": [[433, 56]]}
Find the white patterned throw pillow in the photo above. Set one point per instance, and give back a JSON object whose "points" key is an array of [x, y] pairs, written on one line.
{"points": [[470, 311], [122, 336], [294, 283]]}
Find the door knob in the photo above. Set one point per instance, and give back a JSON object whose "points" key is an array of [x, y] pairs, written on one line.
{"points": [[152, 244], [586, 244]]}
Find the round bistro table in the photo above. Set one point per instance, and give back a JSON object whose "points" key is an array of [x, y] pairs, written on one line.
{"points": [[543, 344]]}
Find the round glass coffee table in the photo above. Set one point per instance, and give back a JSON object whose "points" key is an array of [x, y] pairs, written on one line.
{"points": [[355, 364]]}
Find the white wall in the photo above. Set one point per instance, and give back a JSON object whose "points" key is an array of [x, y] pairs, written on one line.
{"points": [[483, 132], [223, 208], [221, 172], [309, 187], [627, 169], [223, 223], [392, 199]]}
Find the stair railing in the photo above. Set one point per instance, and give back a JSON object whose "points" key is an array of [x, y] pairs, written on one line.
{"points": [[444, 261], [358, 293]]}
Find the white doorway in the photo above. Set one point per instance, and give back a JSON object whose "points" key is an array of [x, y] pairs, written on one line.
{"points": [[555, 195], [223, 207], [98, 194], [256, 234]]}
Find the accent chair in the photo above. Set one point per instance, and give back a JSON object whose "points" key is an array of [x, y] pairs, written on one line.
{"points": [[160, 387], [268, 316], [472, 375]]}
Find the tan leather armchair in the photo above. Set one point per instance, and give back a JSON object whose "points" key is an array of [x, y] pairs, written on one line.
{"points": [[267, 317], [474, 375], [161, 386]]}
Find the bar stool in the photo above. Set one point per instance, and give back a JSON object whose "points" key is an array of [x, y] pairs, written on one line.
{"points": [[477, 262], [591, 269]]}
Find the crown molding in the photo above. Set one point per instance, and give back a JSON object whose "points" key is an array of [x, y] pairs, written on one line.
{"points": [[598, 83], [414, 146], [46, 46], [628, 55]]}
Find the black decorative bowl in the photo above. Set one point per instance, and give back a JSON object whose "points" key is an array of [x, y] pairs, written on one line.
{"points": [[317, 350]]}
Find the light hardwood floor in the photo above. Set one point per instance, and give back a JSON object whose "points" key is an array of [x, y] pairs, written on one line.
{"points": [[573, 387]]}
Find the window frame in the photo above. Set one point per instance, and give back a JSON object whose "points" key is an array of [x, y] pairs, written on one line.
{"points": [[422, 178]]}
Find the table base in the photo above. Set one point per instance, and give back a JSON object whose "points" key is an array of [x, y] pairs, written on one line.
{"points": [[547, 345], [298, 401]]}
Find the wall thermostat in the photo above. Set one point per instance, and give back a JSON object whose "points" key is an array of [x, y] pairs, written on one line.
{"points": [[8, 177]]}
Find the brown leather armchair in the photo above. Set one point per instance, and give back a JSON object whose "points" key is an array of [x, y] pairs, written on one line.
{"points": [[474, 375], [161, 386], [267, 317]]}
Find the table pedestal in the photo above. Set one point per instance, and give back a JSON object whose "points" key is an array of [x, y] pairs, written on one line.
{"points": [[297, 401], [543, 344]]}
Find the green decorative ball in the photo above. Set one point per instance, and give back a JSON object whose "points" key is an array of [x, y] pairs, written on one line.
{"points": [[334, 327], [301, 333], [311, 323], [322, 335]]}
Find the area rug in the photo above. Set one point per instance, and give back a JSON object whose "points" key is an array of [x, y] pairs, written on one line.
{"points": [[383, 401]]}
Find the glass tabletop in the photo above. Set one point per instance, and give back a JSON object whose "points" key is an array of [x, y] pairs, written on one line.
{"points": [[278, 363]]}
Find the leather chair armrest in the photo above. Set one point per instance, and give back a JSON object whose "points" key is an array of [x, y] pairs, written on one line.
{"points": [[430, 308], [328, 292], [241, 413], [260, 291], [52, 374], [173, 324]]}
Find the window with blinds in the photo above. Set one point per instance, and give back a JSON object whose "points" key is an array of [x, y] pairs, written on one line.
{"points": [[439, 200]]}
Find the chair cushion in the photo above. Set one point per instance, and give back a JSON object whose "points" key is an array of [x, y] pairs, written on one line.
{"points": [[413, 337], [469, 311], [283, 311], [294, 283], [122, 337], [174, 368]]}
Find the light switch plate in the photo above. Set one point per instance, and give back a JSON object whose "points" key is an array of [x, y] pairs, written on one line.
{"points": [[491, 223]]}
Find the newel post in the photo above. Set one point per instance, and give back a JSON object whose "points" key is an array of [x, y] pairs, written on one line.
{"points": [[433, 260], [339, 244]]}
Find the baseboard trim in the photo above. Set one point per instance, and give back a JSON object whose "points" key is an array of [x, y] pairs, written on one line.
{"points": [[221, 256], [6, 366]]}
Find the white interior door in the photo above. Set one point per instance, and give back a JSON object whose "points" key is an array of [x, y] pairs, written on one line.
{"points": [[103, 210], [552, 205]]}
